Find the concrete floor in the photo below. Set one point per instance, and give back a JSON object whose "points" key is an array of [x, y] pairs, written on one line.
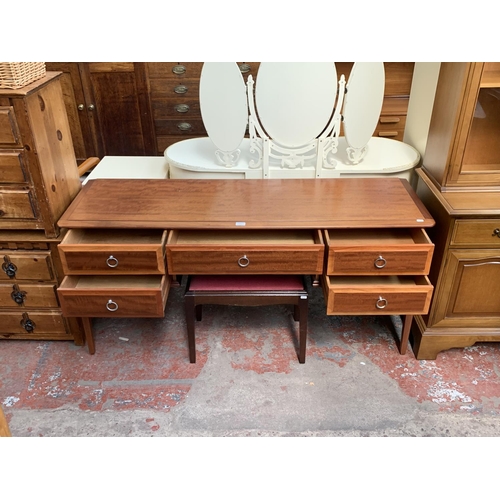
{"points": [[247, 380]]}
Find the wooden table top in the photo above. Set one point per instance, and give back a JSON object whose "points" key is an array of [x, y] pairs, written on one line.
{"points": [[247, 203]]}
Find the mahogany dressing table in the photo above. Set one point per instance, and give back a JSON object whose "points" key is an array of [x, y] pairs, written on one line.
{"points": [[363, 239]]}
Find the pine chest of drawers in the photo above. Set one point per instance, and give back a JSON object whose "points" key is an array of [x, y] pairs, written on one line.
{"points": [[38, 179]]}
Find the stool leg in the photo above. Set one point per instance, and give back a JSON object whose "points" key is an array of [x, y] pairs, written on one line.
{"points": [[303, 302], [198, 312], [190, 309]]}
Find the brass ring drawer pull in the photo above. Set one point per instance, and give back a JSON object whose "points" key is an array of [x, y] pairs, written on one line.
{"points": [[243, 261], [179, 69], [381, 303], [182, 108], [184, 126], [112, 261], [496, 232], [380, 262], [180, 89], [111, 306]]}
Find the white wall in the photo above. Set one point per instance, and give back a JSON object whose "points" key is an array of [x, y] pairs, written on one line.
{"points": [[423, 90]]}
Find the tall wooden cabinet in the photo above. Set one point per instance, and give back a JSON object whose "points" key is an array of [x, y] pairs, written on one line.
{"points": [[108, 106], [38, 180], [460, 184]]}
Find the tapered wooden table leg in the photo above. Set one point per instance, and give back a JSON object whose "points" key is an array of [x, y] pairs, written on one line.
{"points": [[89, 336], [405, 335]]}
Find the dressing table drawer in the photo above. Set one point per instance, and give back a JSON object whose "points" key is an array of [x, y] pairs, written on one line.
{"points": [[95, 251], [114, 296], [245, 252], [377, 295], [378, 251]]}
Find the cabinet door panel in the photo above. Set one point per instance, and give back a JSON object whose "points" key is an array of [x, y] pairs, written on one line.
{"points": [[122, 108], [470, 292]]}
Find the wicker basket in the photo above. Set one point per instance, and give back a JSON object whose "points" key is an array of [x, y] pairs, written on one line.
{"points": [[14, 75]]}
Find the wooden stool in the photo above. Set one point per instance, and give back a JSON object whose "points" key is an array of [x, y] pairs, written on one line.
{"points": [[248, 290]]}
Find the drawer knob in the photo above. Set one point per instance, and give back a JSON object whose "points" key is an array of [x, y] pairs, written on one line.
{"points": [[380, 262], [243, 261], [180, 89], [182, 108], [111, 306], [245, 68], [27, 323], [179, 69], [18, 295], [184, 126], [8, 267], [381, 303], [112, 261], [496, 232]]}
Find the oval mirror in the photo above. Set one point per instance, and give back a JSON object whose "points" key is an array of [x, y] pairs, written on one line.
{"points": [[223, 104], [295, 101], [363, 102]]}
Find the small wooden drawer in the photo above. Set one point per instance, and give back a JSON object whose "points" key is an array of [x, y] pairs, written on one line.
{"points": [[377, 295], [477, 233], [392, 127], [245, 252], [35, 266], [9, 131], [28, 295], [114, 296], [378, 251], [96, 251], [184, 70], [12, 169], [178, 108], [24, 324], [16, 204], [182, 125]]}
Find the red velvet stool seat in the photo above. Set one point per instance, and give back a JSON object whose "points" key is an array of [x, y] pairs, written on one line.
{"points": [[247, 290]]}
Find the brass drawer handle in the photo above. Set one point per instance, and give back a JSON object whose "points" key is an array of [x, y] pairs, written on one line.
{"points": [[112, 261], [381, 303], [182, 108], [184, 126], [27, 323], [243, 261], [17, 295], [180, 89], [179, 69], [245, 68], [496, 232], [111, 306], [380, 262], [8, 267]]}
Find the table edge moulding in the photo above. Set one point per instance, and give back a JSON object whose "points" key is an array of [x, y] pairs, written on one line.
{"points": [[266, 226]]}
